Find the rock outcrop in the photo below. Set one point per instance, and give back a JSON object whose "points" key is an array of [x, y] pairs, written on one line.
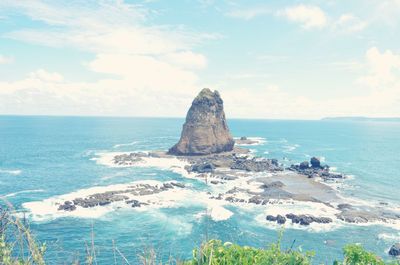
{"points": [[205, 130], [395, 250], [315, 169]]}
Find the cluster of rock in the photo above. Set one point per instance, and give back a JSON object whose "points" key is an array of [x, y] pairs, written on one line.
{"points": [[302, 219], [128, 159], [205, 130], [232, 161], [105, 198], [255, 164], [314, 169]]}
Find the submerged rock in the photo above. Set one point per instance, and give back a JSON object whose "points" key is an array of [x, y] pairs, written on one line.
{"points": [[205, 130]]}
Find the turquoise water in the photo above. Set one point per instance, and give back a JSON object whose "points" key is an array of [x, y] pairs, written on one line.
{"points": [[41, 157]]}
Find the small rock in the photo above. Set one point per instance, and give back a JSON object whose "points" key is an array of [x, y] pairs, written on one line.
{"points": [[271, 218], [280, 219], [304, 165], [395, 250], [315, 162]]}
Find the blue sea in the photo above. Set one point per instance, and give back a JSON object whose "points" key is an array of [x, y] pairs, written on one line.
{"points": [[44, 157]]}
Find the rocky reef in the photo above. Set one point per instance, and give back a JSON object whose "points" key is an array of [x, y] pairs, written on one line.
{"points": [[302, 219], [126, 195], [205, 130]]}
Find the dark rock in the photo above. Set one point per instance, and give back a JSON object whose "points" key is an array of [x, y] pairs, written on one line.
{"points": [[271, 218], [256, 199], [316, 170], [322, 220], [280, 219], [67, 206], [395, 250], [303, 219], [256, 164], [273, 185], [177, 184], [315, 162], [205, 130], [290, 216], [243, 138], [168, 186], [202, 168], [304, 165], [128, 159], [134, 203]]}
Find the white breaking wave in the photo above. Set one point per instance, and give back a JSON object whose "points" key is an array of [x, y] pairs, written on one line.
{"points": [[22, 192], [392, 237], [128, 144], [290, 148], [48, 209], [11, 171], [217, 210]]}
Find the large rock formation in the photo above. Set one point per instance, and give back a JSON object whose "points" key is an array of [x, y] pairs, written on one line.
{"points": [[205, 130]]}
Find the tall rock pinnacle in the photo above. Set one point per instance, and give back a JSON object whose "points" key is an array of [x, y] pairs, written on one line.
{"points": [[205, 130]]}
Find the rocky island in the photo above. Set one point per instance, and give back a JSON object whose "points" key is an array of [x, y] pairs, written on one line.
{"points": [[206, 151], [205, 130]]}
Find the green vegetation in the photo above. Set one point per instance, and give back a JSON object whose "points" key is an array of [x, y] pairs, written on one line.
{"points": [[215, 252], [18, 247]]}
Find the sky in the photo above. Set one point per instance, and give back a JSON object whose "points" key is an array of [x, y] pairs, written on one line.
{"points": [[268, 59]]}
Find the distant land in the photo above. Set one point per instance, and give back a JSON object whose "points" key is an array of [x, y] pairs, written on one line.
{"points": [[359, 118]]}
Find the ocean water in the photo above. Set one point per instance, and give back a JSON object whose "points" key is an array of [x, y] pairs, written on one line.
{"points": [[45, 157]]}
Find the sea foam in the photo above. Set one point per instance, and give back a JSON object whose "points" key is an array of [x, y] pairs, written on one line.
{"points": [[10, 171]]}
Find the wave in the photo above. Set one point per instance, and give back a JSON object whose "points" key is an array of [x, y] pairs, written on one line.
{"points": [[290, 148], [22, 192], [275, 207], [256, 140], [47, 209], [128, 144], [11, 171], [389, 237], [115, 175]]}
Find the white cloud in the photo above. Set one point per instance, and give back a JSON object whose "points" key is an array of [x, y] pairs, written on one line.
{"points": [[148, 70], [349, 23], [308, 16], [248, 13], [383, 68], [6, 59], [45, 76], [101, 26], [187, 59], [381, 97]]}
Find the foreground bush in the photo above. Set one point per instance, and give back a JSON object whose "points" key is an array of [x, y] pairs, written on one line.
{"points": [[357, 255], [216, 253]]}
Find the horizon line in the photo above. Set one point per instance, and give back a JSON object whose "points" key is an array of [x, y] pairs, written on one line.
{"points": [[183, 117]]}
